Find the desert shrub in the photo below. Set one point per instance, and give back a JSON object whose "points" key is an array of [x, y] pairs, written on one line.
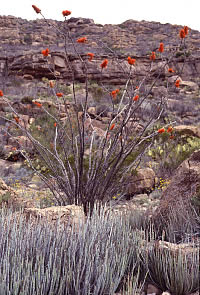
{"points": [[96, 90], [37, 258], [75, 178], [170, 150], [179, 226], [175, 270], [5, 198]]}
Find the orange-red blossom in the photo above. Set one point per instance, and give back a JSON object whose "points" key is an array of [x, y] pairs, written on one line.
{"points": [[91, 56], [16, 119], [170, 70], [39, 105], [59, 94], [136, 97], [161, 130], [45, 52], [131, 61], [51, 84], [182, 33], [177, 83], [153, 56], [82, 40], [169, 129], [55, 124], [1, 93], [112, 126], [161, 48], [37, 10], [66, 12], [185, 30], [114, 93], [104, 64]]}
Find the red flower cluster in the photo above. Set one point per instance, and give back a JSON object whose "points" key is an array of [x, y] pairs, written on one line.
{"points": [[51, 84], [82, 40], [91, 56], [66, 12], [104, 64], [37, 10], [161, 130], [177, 83], [185, 30], [39, 105], [169, 130], [45, 52], [161, 48], [114, 93], [59, 94], [131, 61], [16, 119], [170, 70], [1, 93], [55, 124], [182, 33], [112, 126], [135, 98], [153, 56]]}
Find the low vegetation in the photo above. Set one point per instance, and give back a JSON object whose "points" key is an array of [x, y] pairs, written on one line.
{"points": [[108, 253]]}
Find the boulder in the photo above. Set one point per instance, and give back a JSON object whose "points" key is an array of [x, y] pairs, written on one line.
{"points": [[191, 86], [69, 215], [189, 130], [143, 181]]}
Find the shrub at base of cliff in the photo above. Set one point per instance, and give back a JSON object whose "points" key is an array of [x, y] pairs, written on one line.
{"points": [[170, 150]]}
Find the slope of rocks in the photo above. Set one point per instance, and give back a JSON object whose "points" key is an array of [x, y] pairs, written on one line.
{"points": [[21, 42]]}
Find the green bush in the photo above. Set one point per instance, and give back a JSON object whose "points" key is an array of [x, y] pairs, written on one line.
{"points": [[169, 152]]}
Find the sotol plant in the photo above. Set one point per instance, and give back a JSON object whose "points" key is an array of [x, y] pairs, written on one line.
{"points": [[93, 258], [175, 270]]}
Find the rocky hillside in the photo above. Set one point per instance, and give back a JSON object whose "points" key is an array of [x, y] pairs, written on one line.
{"points": [[21, 42]]}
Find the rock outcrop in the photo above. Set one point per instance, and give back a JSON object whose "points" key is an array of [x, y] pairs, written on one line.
{"points": [[21, 41], [143, 181], [70, 215]]}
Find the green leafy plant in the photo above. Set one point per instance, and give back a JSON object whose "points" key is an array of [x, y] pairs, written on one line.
{"points": [[5, 197], [171, 150]]}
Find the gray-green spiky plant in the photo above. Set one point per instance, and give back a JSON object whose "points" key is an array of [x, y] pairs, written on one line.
{"points": [[41, 259], [173, 269]]}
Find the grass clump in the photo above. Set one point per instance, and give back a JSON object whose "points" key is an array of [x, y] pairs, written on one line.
{"points": [[39, 259]]}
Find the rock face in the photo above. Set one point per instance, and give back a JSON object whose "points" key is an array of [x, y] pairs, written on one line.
{"points": [[21, 60], [143, 181], [22, 66], [188, 130]]}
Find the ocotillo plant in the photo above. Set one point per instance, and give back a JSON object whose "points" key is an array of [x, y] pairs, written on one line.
{"points": [[82, 167]]}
